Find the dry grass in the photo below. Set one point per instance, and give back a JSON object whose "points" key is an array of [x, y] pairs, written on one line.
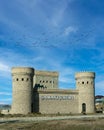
{"points": [[97, 124]]}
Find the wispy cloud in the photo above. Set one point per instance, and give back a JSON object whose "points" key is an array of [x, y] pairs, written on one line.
{"points": [[99, 86], [69, 30], [4, 67], [5, 93], [66, 77], [58, 17], [5, 101]]}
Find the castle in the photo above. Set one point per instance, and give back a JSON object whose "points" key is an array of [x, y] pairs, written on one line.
{"points": [[37, 91]]}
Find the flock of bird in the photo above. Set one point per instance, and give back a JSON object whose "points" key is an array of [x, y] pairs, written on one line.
{"points": [[47, 39]]}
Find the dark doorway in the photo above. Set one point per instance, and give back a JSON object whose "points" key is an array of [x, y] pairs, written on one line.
{"points": [[84, 108], [32, 107]]}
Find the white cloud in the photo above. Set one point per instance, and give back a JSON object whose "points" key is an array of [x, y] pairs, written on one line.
{"points": [[66, 79], [69, 30], [100, 85], [67, 75], [4, 67], [11, 59], [3, 102], [5, 93], [58, 14], [6, 101]]}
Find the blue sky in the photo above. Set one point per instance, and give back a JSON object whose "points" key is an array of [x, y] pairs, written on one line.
{"points": [[60, 35]]}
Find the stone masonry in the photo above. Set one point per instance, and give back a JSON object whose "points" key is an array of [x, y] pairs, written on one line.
{"points": [[37, 91]]}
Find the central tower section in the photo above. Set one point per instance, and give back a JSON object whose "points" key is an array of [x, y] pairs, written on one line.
{"points": [[46, 79]]}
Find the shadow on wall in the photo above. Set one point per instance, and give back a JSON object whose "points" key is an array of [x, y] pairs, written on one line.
{"points": [[35, 104]]}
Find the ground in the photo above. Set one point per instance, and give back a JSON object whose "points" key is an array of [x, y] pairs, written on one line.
{"points": [[67, 124]]}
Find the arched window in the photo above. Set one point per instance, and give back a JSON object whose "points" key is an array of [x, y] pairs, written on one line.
{"points": [[83, 108]]}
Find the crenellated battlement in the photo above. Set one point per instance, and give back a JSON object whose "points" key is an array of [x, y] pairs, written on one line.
{"points": [[22, 70], [46, 73], [85, 74]]}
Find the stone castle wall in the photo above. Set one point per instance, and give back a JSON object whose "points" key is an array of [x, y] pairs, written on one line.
{"points": [[37, 91], [56, 101]]}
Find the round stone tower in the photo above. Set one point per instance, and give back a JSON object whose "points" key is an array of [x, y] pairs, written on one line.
{"points": [[22, 90], [86, 85]]}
